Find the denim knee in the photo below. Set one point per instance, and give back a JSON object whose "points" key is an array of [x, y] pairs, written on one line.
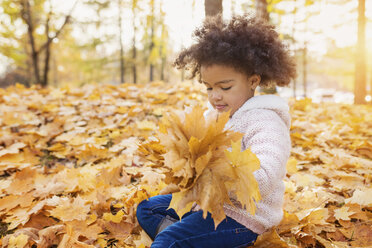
{"points": [[141, 208]]}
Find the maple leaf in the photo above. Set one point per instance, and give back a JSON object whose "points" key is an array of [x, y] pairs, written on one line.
{"points": [[144, 241], [360, 197], [13, 149], [70, 239], [84, 229], [271, 239], [68, 210], [18, 241], [117, 230], [343, 213], [114, 218], [115, 175], [49, 236], [23, 181], [24, 237], [40, 220], [292, 165], [245, 184]]}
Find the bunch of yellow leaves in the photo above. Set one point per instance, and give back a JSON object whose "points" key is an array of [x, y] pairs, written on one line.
{"points": [[201, 169]]}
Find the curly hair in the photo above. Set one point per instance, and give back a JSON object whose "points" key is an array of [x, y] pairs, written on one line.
{"points": [[248, 44]]}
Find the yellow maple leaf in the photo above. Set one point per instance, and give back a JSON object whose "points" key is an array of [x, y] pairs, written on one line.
{"points": [[146, 125], [68, 210], [144, 241], [361, 197], [13, 149], [18, 242], [271, 239], [343, 213], [114, 218], [292, 165], [244, 163]]}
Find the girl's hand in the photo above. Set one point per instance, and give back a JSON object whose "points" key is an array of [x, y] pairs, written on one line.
{"points": [[195, 207]]}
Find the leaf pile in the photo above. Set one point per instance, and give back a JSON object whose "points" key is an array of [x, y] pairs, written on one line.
{"points": [[328, 199], [69, 157], [75, 163], [200, 168]]}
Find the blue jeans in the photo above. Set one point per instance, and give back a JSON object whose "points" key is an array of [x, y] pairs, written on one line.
{"points": [[193, 230]]}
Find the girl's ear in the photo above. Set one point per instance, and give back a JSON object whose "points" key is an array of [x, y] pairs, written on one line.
{"points": [[254, 81]]}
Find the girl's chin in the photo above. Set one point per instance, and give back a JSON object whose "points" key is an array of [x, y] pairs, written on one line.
{"points": [[221, 110]]}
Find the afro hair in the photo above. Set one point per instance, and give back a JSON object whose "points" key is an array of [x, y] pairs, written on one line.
{"points": [[248, 44]]}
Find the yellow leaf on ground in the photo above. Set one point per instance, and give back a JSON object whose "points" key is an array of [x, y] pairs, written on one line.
{"points": [[361, 197], [292, 165], [114, 218], [343, 213], [12, 149], [18, 242], [68, 210]]}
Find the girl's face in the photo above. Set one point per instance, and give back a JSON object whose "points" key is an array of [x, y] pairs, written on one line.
{"points": [[227, 88]]}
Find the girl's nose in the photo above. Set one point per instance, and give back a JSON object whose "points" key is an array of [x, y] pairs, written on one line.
{"points": [[216, 96]]}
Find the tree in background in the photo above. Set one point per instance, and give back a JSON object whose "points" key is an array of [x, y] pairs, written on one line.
{"points": [[302, 48], [152, 50], [155, 40], [135, 9], [261, 10], [120, 26], [213, 7], [360, 63], [163, 43], [263, 13], [38, 16], [301, 12]]}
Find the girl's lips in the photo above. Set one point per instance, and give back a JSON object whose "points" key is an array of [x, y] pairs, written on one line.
{"points": [[219, 107]]}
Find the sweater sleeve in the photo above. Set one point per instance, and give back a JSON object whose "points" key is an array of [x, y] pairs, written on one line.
{"points": [[268, 137]]}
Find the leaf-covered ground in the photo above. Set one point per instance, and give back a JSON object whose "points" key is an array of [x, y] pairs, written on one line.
{"points": [[75, 162]]}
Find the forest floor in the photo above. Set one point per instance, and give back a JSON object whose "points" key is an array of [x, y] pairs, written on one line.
{"points": [[75, 163]]}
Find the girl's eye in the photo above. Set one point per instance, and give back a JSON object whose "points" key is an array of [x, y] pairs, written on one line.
{"points": [[226, 88], [209, 88]]}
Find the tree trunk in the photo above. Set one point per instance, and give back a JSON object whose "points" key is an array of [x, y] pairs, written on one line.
{"points": [[360, 65], [35, 53], [152, 45], [44, 82], [134, 56], [134, 52], [55, 70], [122, 69], [304, 69], [27, 17], [163, 59], [212, 7], [294, 42], [261, 10], [262, 13]]}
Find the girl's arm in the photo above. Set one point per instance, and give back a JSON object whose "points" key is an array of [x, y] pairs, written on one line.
{"points": [[268, 137]]}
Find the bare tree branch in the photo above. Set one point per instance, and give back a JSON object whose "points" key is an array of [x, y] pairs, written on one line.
{"points": [[67, 20]]}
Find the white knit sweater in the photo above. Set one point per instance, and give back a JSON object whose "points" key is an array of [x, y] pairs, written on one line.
{"points": [[265, 121]]}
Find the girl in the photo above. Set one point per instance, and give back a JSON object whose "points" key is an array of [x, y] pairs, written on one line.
{"points": [[232, 59]]}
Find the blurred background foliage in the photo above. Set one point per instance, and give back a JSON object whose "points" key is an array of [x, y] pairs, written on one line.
{"points": [[53, 42]]}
